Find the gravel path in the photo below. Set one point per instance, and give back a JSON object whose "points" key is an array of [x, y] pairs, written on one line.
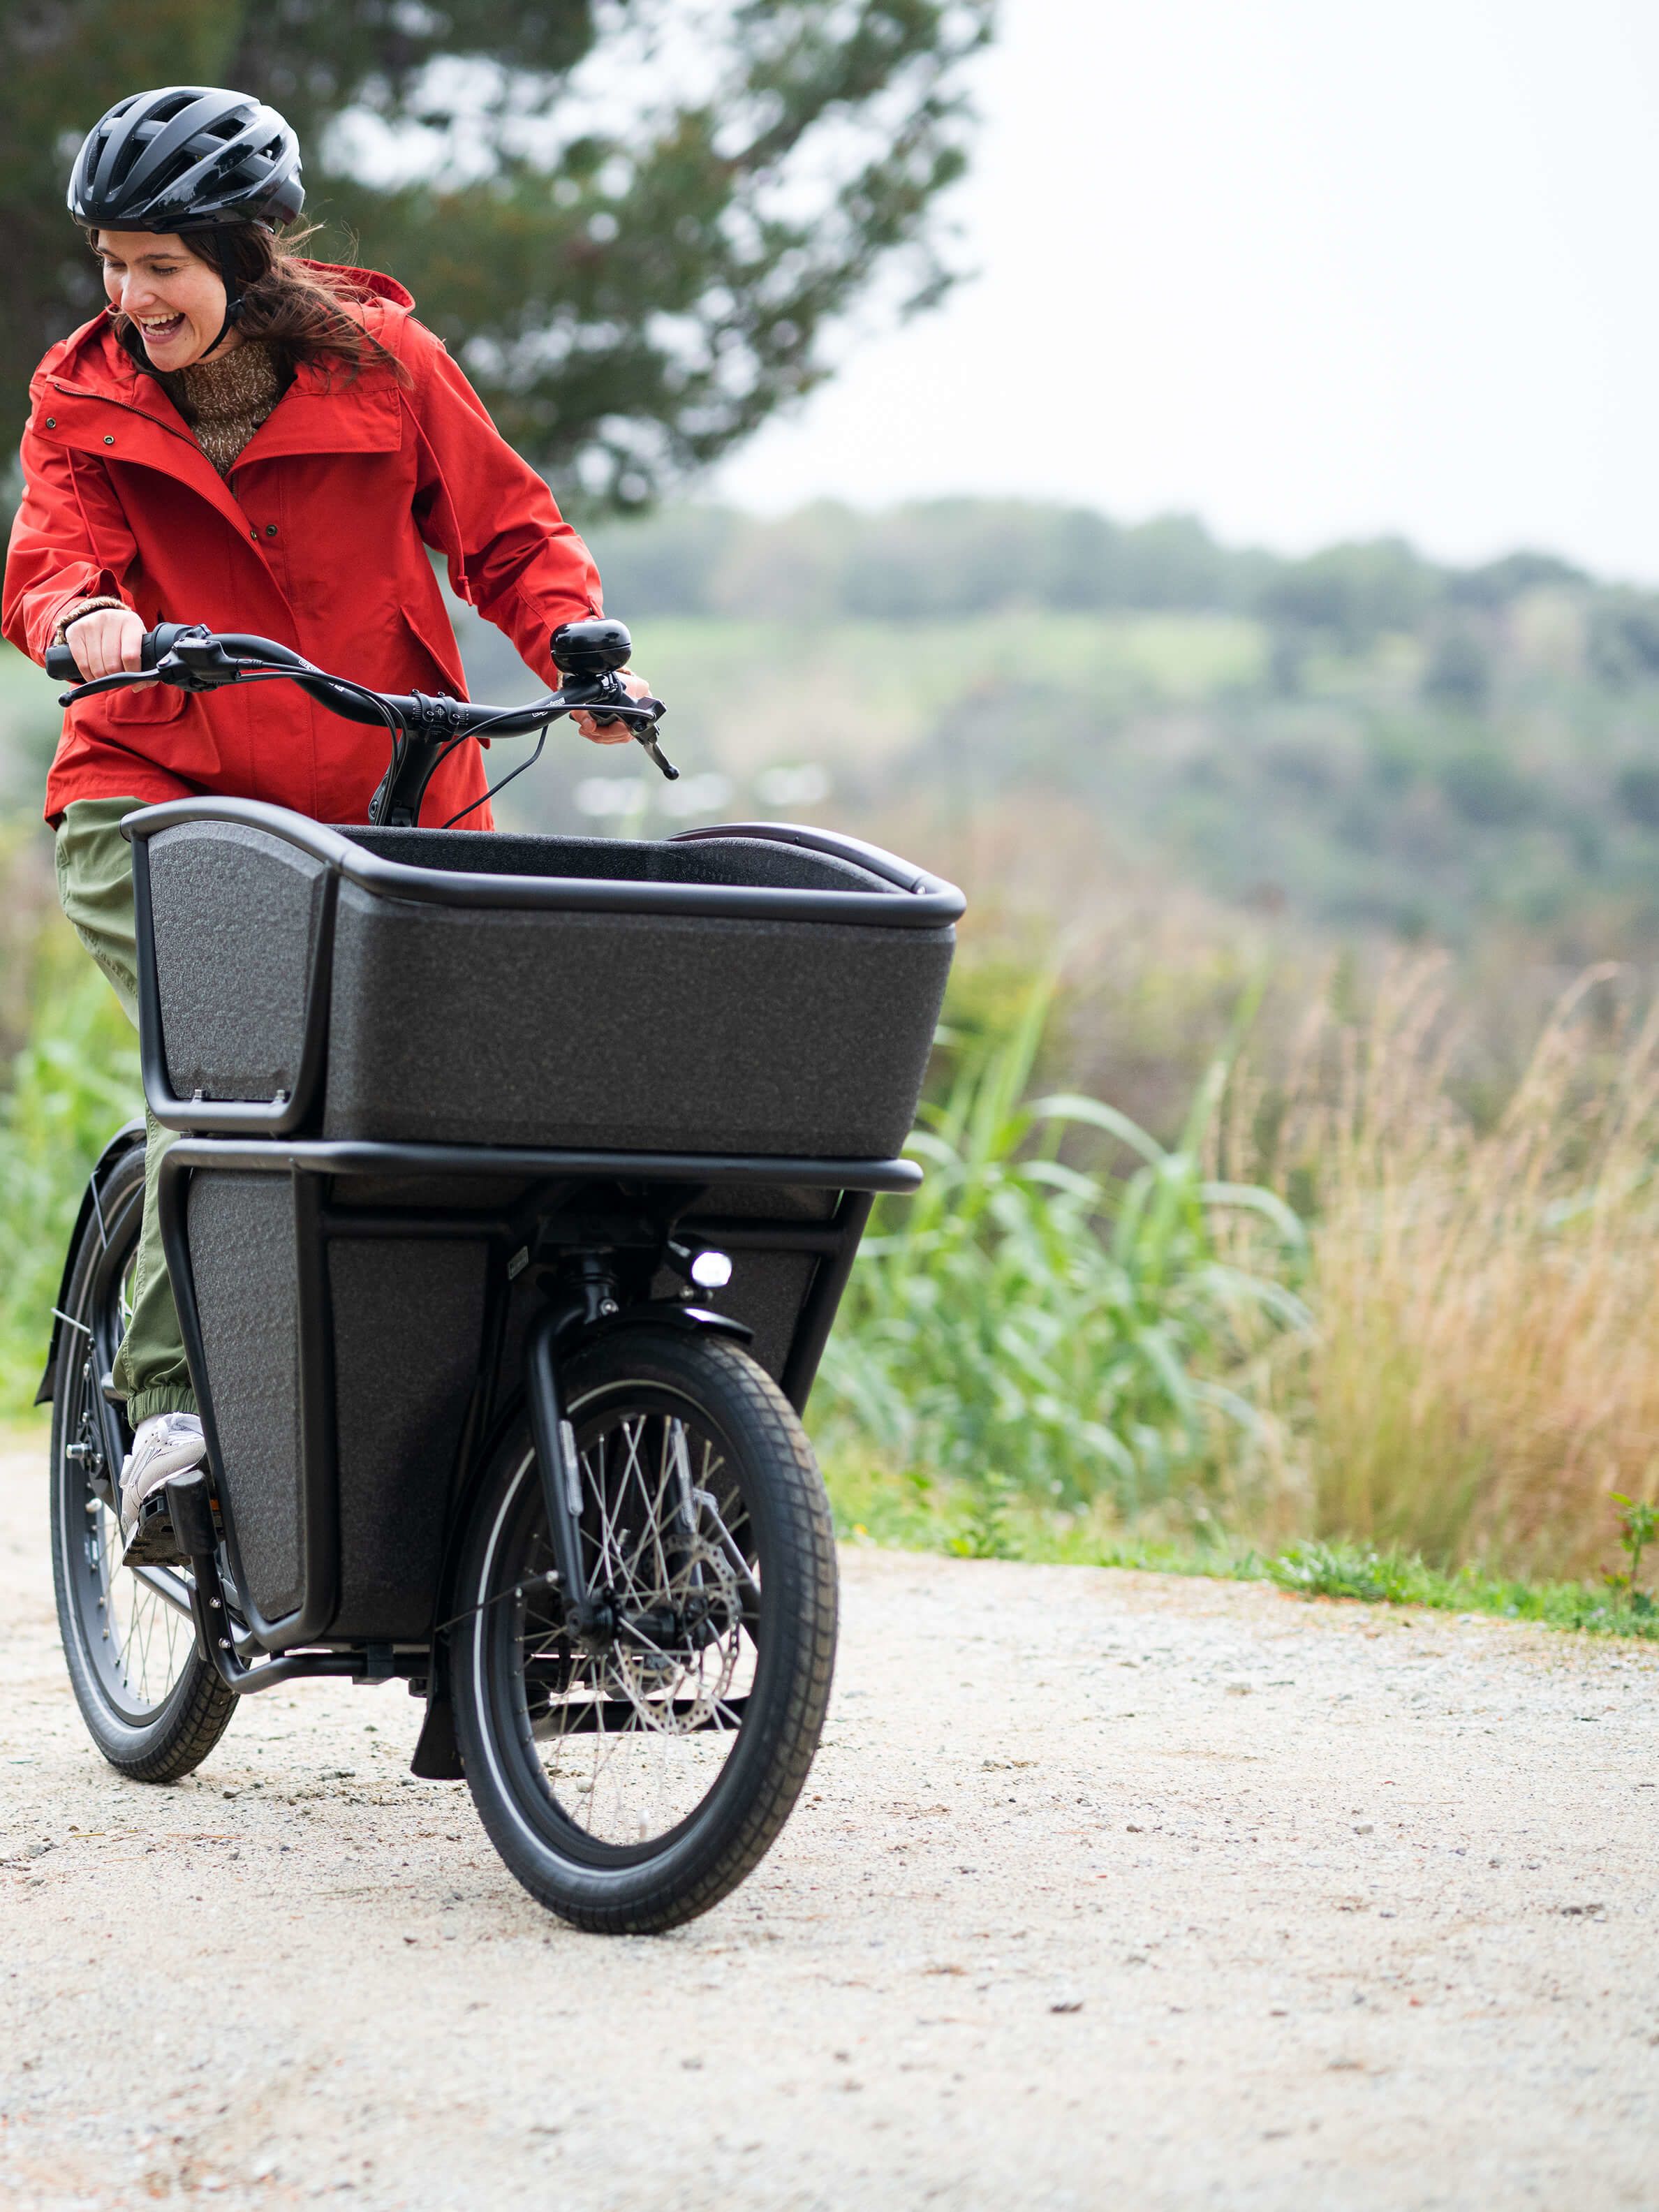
{"points": [[1111, 1890]]}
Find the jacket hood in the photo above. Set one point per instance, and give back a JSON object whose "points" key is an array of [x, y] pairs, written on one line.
{"points": [[368, 280], [94, 346]]}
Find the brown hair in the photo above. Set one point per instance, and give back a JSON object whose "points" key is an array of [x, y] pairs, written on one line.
{"points": [[303, 313]]}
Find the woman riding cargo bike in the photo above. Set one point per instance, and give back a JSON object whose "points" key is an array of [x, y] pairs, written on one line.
{"points": [[388, 1345]]}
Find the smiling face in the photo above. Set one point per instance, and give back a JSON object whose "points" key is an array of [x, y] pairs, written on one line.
{"points": [[175, 299]]}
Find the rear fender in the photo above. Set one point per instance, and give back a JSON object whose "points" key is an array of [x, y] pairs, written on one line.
{"points": [[122, 1142]]}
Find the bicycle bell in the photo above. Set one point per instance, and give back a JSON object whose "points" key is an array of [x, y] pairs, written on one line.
{"points": [[590, 650]]}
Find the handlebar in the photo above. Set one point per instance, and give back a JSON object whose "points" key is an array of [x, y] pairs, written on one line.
{"points": [[424, 731]]}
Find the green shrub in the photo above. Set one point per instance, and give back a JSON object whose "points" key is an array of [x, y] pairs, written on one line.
{"points": [[73, 1084], [1030, 1328]]}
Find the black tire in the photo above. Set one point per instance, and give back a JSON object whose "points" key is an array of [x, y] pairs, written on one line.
{"points": [[747, 1590], [150, 1704]]}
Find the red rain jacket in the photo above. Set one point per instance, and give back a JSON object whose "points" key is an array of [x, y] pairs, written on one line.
{"points": [[318, 539]]}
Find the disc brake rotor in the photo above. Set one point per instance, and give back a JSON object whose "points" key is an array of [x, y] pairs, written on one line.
{"points": [[672, 1691]]}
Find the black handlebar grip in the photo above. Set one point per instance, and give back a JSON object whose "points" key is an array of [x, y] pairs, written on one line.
{"points": [[157, 643]]}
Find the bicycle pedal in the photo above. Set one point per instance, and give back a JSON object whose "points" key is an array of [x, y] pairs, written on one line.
{"points": [[152, 1542]]}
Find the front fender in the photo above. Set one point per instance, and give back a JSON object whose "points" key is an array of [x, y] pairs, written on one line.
{"points": [[657, 1313], [131, 1133]]}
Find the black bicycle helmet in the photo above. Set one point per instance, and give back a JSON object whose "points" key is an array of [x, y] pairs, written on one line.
{"points": [[187, 157]]}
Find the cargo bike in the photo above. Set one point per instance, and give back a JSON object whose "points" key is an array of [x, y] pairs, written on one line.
{"points": [[517, 1182]]}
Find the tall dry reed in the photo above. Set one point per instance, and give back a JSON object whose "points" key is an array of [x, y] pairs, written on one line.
{"points": [[1482, 1373]]}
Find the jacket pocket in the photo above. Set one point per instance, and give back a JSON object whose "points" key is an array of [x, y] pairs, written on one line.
{"points": [[442, 662], [145, 706]]}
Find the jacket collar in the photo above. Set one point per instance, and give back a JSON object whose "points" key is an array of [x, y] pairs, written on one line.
{"points": [[325, 410], [95, 400]]}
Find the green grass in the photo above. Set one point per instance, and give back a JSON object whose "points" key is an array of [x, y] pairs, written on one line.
{"points": [[1361, 1571], [917, 1512], [71, 1087]]}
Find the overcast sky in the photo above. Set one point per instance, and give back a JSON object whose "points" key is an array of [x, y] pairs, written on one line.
{"points": [[1310, 268]]}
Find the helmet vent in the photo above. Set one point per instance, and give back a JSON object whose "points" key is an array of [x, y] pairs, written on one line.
{"points": [[187, 156]]}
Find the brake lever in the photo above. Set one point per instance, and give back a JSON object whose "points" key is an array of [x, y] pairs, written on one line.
{"points": [[641, 716], [606, 701], [196, 662], [647, 738], [121, 680]]}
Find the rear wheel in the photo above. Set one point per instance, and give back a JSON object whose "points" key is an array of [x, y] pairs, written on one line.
{"points": [[631, 1782], [152, 1706]]}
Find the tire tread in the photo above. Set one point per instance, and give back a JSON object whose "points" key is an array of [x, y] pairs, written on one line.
{"points": [[805, 1536]]}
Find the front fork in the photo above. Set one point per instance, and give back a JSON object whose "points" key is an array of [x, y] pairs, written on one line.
{"points": [[560, 1469], [588, 1295]]}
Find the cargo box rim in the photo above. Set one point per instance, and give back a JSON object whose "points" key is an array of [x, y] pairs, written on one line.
{"points": [[916, 901]]}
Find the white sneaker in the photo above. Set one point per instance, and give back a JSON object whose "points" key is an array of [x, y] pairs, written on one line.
{"points": [[164, 1444]]}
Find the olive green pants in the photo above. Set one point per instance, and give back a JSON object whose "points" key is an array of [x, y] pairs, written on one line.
{"points": [[94, 889]]}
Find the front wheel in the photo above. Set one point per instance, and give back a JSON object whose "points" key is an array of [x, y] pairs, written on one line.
{"points": [[631, 1782]]}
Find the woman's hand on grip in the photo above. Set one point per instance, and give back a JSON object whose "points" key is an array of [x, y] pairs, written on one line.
{"points": [[614, 733], [105, 642]]}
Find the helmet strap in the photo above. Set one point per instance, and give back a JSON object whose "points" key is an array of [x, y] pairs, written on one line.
{"points": [[231, 306], [232, 299]]}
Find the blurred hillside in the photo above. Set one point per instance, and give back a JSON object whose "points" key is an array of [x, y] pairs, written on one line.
{"points": [[1363, 741], [1175, 760]]}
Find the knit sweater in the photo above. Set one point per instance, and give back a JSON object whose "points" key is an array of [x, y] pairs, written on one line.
{"points": [[224, 402]]}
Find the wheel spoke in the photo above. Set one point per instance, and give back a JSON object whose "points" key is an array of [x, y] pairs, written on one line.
{"points": [[129, 1621], [167, 1585], [659, 1701]]}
